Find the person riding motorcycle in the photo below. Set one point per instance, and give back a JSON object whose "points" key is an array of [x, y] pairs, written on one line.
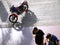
{"points": [[20, 9]]}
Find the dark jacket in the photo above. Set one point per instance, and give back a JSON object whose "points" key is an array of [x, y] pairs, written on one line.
{"points": [[39, 37]]}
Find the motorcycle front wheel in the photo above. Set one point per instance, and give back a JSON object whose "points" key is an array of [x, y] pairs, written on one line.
{"points": [[13, 18]]}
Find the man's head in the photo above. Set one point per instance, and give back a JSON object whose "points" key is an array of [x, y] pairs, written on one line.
{"points": [[35, 30], [48, 36], [12, 8]]}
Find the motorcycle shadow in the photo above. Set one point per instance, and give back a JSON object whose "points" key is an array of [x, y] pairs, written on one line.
{"points": [[27, 21]]}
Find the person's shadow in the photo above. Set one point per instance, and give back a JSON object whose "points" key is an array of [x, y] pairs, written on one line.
{"points": [[29, 19]]}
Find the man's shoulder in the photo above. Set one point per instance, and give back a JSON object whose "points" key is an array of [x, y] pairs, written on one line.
{"points": [[40, 32]]}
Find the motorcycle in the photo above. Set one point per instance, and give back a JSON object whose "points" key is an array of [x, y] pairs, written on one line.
{"points": [[17, 11]]}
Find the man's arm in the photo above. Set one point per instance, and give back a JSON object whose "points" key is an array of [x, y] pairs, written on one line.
{"points": [[58, 42]]}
